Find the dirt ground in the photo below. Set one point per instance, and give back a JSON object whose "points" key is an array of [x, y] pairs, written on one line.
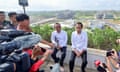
{"points": [[66, 67]]}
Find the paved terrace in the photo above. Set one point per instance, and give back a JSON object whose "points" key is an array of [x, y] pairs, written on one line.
{"points": [[93, 54]]}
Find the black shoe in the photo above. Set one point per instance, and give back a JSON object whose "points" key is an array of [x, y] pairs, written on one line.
{"points": [[41, 71], [51, 67]]}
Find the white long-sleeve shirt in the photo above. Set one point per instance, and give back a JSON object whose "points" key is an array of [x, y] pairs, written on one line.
{"points": [[59, 38], [79, 41]]}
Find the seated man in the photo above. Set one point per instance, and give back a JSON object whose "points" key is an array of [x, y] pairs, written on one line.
{"points": [[23, 24], [59, 37], [113, 57], [79, 40]]}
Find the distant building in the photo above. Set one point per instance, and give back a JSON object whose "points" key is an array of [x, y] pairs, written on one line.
{"points": [[67, 14], [96, 24], [104, 16], [108, 16], [99, 16]]}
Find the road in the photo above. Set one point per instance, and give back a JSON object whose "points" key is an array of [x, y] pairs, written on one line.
{"points": [[66, 67], [101, 23], [116, 27], [42, 21]]}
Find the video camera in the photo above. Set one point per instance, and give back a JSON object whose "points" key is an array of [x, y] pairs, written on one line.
{"points": [[21, 61], [10, 34], [11, 46], [109, 53], [101, 67]]}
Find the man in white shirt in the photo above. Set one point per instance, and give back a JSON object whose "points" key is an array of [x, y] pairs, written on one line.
{"points": [[79, 42], [59, 38]]}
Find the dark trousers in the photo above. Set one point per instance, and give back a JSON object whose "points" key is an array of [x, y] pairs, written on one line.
{"points": [[56, 59], [72, 61]]}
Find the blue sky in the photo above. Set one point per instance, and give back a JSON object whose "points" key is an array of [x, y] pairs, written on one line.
{"points": [[38, 5]]}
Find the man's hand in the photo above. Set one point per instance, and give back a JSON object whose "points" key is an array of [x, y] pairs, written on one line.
{"points": [[59, 47], [114, 55], [51, 45], [48, 43], [78, 53], [1, 26], [35, 52]]}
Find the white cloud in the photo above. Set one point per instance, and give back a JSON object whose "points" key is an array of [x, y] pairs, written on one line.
{"points": [[9, 5]]}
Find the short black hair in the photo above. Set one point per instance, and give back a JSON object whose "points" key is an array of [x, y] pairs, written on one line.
{"points": [[10, 14], [2, 12], [57, 23], [79, 23], [22, 17]]}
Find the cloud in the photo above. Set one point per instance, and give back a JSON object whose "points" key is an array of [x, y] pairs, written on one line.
{"points": [[9, 5]]}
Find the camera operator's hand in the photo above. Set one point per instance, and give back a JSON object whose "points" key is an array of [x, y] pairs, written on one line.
{"points": [[118, 70], [59, 47], [52, 45], [35, 52], [118, 41], [114, 55], [1, 26], [110, 53], [48, 43]]}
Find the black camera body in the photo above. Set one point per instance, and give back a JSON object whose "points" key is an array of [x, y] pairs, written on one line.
{"points": [[9, 34], [101, 67], [13, 59], [21, 60], [109, 53]]}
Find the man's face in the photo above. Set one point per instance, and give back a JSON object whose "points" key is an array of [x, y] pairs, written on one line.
{"points": [[13, 18], [78, 27], [57, 27], [2, 17]]}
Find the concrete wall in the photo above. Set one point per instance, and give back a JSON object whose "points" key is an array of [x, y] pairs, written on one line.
{"points": [[93, 54]]}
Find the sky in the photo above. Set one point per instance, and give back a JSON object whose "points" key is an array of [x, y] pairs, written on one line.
{"points": [[48, 5]]}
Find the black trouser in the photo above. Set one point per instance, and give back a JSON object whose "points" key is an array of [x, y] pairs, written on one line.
{"points": [[56, 59], [72, 61]]}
